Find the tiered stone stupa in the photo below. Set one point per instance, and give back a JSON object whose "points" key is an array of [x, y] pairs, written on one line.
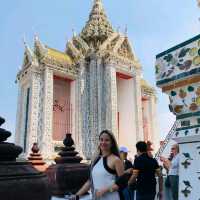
{"points": [[68, 174], [19, 180], [36, 159]]}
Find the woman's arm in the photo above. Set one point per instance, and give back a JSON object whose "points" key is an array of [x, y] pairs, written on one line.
{"points": [[119, 167], [84, 189]]}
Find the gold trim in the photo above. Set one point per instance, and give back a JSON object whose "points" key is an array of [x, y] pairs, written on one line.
{"points": [[181, 83]]}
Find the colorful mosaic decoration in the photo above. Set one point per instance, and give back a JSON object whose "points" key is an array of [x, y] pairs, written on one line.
{"points": [[178, 75], [185, 99], [178, 61]]}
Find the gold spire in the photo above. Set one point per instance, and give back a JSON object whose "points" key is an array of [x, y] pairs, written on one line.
{"points": [[97, 28]]}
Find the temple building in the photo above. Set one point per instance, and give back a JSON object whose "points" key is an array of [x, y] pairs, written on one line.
{"points": [[95, 84]]}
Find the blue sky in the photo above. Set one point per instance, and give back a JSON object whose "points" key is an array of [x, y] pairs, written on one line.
{"points": [[153, 26]]}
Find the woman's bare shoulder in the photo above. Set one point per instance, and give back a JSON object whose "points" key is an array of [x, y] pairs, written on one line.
{"points": [[115, 158]]}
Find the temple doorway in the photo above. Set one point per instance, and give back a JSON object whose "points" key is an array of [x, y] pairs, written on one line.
{"points": [[62, 108], [126, 110]]}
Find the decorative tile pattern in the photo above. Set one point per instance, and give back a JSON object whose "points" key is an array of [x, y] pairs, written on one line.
{"points": [[177, 73], [185, 99], [183, 59]]}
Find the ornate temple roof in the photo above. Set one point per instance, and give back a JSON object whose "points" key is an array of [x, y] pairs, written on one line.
{"points": [[97, 27], [97, 36], [147, 88], [50, 55], [58, 56]]}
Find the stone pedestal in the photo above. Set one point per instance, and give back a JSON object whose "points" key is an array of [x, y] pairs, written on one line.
{"points": [[178, 74], [19, 180], [68, 174]]}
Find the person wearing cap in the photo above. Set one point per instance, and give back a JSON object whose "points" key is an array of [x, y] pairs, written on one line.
{"points": [[123, 155], [128, 193]]}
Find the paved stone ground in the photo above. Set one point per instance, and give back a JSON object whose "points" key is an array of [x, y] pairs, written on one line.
{"points": [[84, 198], [166, 194]]}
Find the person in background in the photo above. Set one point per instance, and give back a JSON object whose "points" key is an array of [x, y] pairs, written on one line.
{"points": [[149, 149], [123, 155], [128, 192], [144, 172], [172, 168]]}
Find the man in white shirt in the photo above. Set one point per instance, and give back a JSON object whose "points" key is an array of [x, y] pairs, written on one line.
{"points": [[173, 170]]}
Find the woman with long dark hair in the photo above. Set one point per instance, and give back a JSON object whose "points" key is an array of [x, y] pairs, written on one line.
{"points": [[104, 170]]}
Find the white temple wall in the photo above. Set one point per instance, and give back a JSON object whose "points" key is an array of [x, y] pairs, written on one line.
{"points": [[19, 114], [23, 110], [127, 118], [21, 119]]}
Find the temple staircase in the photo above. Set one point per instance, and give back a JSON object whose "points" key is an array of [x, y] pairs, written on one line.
{"points": [[167, 139]]}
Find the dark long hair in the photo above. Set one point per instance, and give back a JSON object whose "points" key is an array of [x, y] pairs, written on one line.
{"points": [[114, 147]]}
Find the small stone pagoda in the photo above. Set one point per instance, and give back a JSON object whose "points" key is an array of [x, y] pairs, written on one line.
{"points": [[68, 175], [19, 180], [36, 159]]}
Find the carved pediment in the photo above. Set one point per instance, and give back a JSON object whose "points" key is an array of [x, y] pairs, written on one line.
{"points": [[125, 50], [118, 45], [107, 43]]}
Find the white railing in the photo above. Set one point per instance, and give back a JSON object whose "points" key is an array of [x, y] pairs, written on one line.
{"points": [[167, 139]]}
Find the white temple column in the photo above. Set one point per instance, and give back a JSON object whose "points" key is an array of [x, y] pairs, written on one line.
{"points": [[32, 136], [93, 102], [111, 99], [155, 137], [100, 107], [47, 141], [138, 106], [85, 110], [79, 88]]}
